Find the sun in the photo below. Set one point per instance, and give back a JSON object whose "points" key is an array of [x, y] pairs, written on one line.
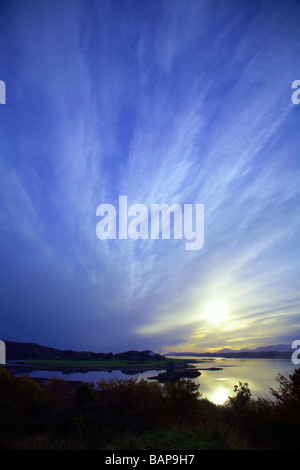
{"points": [[216, 311]]}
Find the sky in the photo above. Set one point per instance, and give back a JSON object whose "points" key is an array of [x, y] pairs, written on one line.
{"points": [[161, 101]]}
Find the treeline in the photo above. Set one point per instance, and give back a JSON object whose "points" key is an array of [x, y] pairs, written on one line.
{"points": [[120, 414], [135, 356], [17, 350]]}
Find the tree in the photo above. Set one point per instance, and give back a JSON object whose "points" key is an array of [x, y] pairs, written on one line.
{"points": [[288, 392], [242, 397], [181, 398]]}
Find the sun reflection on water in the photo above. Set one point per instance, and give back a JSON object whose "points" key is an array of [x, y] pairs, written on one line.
{"points": [[220, 396]]}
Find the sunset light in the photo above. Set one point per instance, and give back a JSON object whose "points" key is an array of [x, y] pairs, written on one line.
{"points": [[216, 311]]}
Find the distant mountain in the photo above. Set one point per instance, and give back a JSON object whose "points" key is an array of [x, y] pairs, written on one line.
{"points": [[282, 350], [277, 347], [227, 350]]}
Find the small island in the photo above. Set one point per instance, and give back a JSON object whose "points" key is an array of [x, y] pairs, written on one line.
{"points": [[172, 374]]}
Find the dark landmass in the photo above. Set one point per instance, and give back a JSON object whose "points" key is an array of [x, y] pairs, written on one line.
{"points": [[26, 357], [175, 372], [264, 354], [21, 351]]}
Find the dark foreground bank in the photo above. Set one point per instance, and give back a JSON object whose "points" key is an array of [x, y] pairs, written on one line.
{"points": [[124, 415]]}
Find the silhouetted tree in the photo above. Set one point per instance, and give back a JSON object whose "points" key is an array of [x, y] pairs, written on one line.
{"points": [[242, 397], [288, 392]]}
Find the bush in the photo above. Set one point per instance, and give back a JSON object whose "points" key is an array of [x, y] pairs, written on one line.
{"points": [[242, 398], [85, 394], [288, 393], [127, 414]]}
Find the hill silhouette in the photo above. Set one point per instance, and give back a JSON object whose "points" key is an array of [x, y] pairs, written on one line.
{"points": [[272, 351], [19, 351]]}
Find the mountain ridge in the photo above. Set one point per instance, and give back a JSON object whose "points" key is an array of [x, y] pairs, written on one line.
{"points": [[278, 350]]}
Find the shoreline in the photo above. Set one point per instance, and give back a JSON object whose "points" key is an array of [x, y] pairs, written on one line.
{"points": [[182, 369], [17, 366]]}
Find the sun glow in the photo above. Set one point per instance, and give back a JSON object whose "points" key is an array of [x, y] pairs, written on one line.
{"points": [[216, 311], [220, 396]]}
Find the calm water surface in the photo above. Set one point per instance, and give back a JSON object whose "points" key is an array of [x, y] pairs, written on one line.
{"points": [[260, 374]]}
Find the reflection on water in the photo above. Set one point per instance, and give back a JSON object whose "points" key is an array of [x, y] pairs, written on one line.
{"points": [[215, 385], [260, 374], [90, 376], [219, 396]]}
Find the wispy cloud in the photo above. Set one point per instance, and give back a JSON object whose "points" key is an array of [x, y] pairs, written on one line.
{"points": [[163, 103]]}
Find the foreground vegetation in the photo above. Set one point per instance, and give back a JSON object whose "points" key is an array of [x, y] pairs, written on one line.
{"points": [[126, 414]]}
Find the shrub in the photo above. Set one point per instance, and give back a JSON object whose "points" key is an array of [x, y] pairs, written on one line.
{"points": [[242, 398], [85, 394], [288, 393]]}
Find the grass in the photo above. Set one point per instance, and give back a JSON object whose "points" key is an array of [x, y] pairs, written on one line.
{"points": [[96, 363]]}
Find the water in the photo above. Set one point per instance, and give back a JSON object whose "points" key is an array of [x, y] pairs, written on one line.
{"points": [[215, 385], [260, 374], [90, 376]]}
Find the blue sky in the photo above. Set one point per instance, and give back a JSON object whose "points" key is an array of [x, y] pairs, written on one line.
{"points": [[182, 101]]}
